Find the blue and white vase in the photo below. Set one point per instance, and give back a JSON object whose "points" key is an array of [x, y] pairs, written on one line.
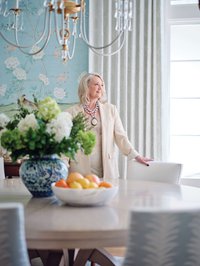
{"points": [[39, 173]]}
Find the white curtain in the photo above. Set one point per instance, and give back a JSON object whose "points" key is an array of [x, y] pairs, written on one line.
{"points": [[133, 77]]}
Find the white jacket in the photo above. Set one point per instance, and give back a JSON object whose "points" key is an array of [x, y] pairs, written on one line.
{"points": [[112, 133]]}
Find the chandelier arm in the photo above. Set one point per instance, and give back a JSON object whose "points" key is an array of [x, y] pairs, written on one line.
{"points": [[112, 53], [86, 39], [73, 49], [44, 45], [9, 42], [17, 45]]}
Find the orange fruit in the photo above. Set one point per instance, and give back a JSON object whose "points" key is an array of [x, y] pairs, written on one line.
{"points": [[73, 176], [105, 184], [61, 183]]}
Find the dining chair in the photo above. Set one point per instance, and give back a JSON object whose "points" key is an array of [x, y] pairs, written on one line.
{"points": [[2, 172], [13, 248], [167, 172], [163, 238]]}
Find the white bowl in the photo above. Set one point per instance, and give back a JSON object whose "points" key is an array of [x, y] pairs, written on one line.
{"points": [[85, 197]]}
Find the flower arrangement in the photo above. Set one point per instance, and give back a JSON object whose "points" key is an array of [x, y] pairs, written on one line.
{"points": [[39, 128]]}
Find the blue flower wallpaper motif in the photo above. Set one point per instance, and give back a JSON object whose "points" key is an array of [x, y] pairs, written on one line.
{"points": [[43, 74]]}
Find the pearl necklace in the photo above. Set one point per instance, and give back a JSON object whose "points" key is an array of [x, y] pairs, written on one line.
{"points": [[92, 113]]}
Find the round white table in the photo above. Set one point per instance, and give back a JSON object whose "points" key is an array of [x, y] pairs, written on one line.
{"points": [[50, 224]]}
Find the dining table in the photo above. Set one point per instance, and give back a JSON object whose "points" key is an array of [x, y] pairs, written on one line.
{"points": [[51, 224]]}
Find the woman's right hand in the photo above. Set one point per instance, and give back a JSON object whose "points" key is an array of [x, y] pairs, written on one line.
{"points": [[143, 160]]}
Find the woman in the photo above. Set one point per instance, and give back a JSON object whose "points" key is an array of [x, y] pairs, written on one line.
{"points": [[106, 123]]}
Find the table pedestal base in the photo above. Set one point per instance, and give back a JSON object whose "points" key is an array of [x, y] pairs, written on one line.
{"points": [[99, 256]]}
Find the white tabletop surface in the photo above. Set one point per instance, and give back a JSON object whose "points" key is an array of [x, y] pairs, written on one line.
{"points": [[51, 224]]}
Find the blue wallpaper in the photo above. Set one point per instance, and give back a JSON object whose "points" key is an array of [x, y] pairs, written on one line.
{"points": [[43, 74]]}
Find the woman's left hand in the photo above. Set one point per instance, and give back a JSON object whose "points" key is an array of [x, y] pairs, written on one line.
{"points": [[143, 160]]}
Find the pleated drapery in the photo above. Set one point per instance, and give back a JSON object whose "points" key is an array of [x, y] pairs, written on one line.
{"points": [[133, 77]]}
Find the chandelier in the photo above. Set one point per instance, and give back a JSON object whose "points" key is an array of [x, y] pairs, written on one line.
{"points": [[69, 24]]}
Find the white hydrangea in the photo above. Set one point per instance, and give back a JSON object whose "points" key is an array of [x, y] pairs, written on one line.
{"points": [[59, 93], [44, 79], [61, 126], [4, 119], [28, 122], [3, 89], [20, 73], [12, 62]]}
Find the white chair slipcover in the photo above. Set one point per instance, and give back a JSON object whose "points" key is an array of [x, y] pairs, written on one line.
{"points": [[168, 172], [2, 172]]}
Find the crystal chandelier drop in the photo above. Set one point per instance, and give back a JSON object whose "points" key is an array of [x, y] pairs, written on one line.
{"points": [[69, 23]]}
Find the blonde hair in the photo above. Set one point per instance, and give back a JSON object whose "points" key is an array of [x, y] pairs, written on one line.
{"points": [[83, 88]]}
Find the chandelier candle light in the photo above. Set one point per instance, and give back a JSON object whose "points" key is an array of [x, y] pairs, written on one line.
{"points": [[67, 29]]}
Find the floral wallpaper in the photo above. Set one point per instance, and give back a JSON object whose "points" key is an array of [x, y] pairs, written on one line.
{"points": [[43, 74]]}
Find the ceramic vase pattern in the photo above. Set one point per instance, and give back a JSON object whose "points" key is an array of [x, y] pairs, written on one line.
{"points": [[38, 174]]}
